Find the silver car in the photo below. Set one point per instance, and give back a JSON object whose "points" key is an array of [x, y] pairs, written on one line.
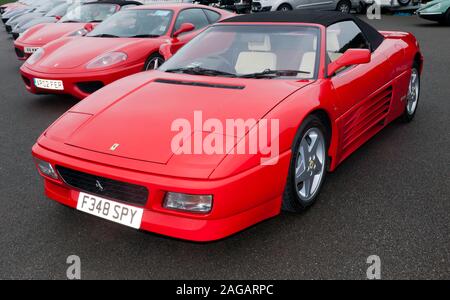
{"points": [[340, 5]]}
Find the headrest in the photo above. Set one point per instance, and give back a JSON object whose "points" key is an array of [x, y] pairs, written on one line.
{"points": [[262, 45]]}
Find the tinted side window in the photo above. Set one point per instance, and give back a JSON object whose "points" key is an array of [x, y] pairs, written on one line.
{"points": [[195, 16], [212, 15], [343, 36]]}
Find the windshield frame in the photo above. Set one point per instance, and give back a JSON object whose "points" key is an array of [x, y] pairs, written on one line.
{"points": [[318, 70]]}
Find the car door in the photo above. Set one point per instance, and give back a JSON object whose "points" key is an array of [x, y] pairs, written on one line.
{"points": [[195, 16], [314, 4], [364, 91]]}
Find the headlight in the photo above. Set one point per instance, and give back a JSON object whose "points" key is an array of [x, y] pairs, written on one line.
{"points": [[189, 203], [35, 56], [81, 32], [46, 169], [107, 60]]}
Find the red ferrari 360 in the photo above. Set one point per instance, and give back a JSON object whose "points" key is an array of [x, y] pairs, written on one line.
{"points": [[243, 121], [124, 44], [75, 23]]}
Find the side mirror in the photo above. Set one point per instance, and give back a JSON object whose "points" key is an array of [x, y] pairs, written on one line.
{"points": [[166, 51], [349, 58], [58, 18], [185, 27], [89, 27]]}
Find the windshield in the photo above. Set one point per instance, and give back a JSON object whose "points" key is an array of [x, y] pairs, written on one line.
{"points": [[135, 23], [90, 13], [252, 51], [59, 10]]}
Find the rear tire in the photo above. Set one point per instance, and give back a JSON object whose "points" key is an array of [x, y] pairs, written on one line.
{"points": [[412, 99], [284, 7], [308, 167], [153, 62], [344, 6]]}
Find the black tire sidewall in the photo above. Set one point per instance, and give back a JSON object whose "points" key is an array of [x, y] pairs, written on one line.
{"points": [[404, 2], [348, 3], [290, 194], [284, 5]]}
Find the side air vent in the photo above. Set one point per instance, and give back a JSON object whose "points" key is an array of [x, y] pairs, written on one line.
{"points": [[200, 84], [368, 117]]}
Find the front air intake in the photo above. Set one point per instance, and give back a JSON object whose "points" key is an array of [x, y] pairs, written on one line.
{"points": [[104, 187]]}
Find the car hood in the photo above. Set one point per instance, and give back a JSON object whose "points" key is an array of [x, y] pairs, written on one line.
{"points": [[50, 32], [141, 121], [80, 55]]}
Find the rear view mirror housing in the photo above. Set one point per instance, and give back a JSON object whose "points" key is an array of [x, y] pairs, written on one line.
{"points": [[349, 58], [89, 27], [185, 27]]}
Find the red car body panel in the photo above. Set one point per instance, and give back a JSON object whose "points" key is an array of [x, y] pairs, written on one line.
{"points": [[55, 64], [358, 103]]}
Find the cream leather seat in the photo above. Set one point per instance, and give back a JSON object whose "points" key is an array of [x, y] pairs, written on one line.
{"points": [[257, 59], [308, 62], [333, 46]]}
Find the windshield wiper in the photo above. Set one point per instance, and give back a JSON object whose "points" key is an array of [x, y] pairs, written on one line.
{"points": [[274, 73], [71, 21], [144, 36], [201, 71], [95, 21], [105, 35]]}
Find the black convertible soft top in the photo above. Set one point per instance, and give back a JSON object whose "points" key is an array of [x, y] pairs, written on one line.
{"points": [[325, 18]]}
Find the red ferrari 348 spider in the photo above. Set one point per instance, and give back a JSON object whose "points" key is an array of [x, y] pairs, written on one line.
{"points": [[151, 151], [74, 23], [124, 44]]}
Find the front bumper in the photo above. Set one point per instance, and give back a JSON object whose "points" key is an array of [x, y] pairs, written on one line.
{"points": [[20, 49], [436, 17], [79, 85], [240, 201]]}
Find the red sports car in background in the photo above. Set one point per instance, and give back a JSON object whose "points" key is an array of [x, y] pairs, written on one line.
{"points": [[124, 44], [324, 83], [72, 24]]}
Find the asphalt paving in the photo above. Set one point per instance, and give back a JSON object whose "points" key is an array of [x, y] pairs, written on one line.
{"points": [[391, 199]]}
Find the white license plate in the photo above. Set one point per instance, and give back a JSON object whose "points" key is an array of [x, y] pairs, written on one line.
{"points": [[30, 50], [49, 84], [113, 211]]}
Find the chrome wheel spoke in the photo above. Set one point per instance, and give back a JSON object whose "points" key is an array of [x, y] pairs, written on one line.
{"points": [[307, 187], [310, 164], [413, 92]]}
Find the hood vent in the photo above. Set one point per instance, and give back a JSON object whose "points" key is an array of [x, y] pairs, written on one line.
{"points": [[200, 84]]}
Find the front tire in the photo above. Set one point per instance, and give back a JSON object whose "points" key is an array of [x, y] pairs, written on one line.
{"points": [[309, 164], [153, 62], [344, 6], [412, 99]]}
